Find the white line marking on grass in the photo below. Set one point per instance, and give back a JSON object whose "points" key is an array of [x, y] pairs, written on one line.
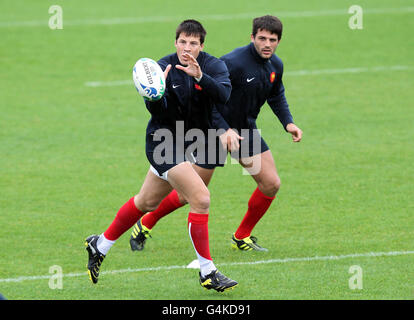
{"points": [[108, 83], [206, 17], [284, 260], [323, 258], [347, 70], [115, 83]]}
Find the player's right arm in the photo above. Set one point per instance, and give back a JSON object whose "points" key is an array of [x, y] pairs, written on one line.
{"points": [[230, 139]]}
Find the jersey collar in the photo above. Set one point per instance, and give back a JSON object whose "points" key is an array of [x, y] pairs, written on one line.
{"points": [[256, 55]]}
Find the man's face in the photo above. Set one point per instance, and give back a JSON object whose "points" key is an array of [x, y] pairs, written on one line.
{"points": [[188, 44], [265, 43]]}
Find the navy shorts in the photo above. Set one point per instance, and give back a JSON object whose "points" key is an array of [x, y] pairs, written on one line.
{"points": [[251, 145], [164, 152]]}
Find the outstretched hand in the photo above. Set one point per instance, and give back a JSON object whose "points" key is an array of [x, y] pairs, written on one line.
{"points": [[167, 69], [193, 68]]}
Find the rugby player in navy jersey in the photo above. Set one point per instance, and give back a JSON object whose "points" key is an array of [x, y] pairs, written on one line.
{"points": [[256, 77], [195, 83]]}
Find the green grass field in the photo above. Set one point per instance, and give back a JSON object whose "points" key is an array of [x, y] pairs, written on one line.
{"points": [[71, 154]]}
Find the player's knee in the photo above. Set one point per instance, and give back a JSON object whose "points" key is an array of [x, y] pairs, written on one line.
{"points": [[277, 183], [147, 205], [200, 200], [271, 186]]}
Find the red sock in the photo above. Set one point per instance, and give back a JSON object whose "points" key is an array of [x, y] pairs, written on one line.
{"points": [[198, 229], [167, 205], [258, 205], [126, 217]]}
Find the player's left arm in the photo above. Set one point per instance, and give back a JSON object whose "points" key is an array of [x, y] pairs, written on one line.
{"points": [[295, 131], [214, 80], [278, 103]]}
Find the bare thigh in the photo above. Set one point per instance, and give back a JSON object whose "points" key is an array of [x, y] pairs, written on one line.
{"points": [[262, 168], [205, 175], [153, 190], [189, 184]]}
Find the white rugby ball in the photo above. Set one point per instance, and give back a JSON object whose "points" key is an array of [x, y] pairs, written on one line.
{"points": [[149, 79]]}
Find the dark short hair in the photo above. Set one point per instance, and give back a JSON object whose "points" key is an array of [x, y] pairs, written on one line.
{"points": [[191, 28], [268, 23]]}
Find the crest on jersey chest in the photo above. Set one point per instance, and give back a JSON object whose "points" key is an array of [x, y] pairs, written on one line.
{"points": [[272, 76]]}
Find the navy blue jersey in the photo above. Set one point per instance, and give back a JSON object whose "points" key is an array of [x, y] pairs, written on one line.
{"points": [[254, 81], [190, 101]]}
